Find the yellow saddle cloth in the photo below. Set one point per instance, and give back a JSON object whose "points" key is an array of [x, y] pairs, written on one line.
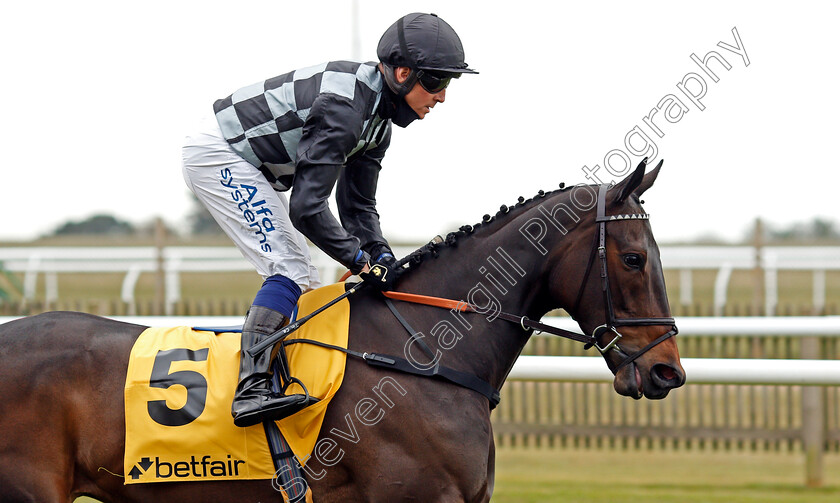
{"points": [[180, 385]]}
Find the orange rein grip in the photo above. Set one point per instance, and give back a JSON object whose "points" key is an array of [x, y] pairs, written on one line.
{"points": [[422, 299], [430, 301]]}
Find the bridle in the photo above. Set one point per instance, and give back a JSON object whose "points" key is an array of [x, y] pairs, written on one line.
{"points": [[611, 322]]}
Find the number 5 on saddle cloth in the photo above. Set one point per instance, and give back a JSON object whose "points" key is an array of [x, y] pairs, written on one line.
{"points": [[179, 387]]}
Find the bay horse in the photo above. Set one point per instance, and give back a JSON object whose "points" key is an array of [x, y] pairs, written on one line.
{"points": [[587, 249]]}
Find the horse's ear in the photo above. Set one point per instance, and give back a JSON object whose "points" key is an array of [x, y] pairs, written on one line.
{"points": [[648, 179], [631, 183]]}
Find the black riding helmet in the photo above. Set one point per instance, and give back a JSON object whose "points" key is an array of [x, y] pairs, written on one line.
{"points": [[426, 44]]}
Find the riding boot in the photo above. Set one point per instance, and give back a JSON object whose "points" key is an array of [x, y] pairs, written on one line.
{"points": [[254, 401]]}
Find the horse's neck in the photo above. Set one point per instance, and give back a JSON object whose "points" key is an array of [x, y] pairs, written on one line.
{"points": [[494, 272]]}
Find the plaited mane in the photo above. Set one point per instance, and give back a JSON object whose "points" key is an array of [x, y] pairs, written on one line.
{"points": [[451, 240]]}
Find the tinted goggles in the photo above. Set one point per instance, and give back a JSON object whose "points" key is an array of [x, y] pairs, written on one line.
{"points": [[434, 82]]}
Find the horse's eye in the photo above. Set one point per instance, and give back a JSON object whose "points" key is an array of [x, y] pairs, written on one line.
{"points": [[634, 260]]}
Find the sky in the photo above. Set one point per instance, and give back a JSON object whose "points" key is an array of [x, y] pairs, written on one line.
{"points": [[100, 94]]}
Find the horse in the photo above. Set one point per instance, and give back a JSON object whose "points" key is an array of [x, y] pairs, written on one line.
{"points": [[388, 435]]}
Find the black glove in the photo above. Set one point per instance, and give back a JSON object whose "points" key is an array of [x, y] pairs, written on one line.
{"points": [[383, 272], [362, 259]]}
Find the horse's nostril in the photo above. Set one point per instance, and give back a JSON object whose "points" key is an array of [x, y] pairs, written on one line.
{"points": [[666, 376], [668, 373]]}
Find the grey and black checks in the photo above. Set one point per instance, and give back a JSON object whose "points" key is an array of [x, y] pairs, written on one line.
{"points": [[264, 122]]}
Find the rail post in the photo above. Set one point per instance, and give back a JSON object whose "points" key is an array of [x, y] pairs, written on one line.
{"points": [[758, 284], [160, 280], [813, 426]]}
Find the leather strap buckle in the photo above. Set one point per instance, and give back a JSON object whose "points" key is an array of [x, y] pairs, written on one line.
{"points": [[612, 344]]}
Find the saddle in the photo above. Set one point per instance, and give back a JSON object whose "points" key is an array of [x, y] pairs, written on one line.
{"points": [[180, 384]]}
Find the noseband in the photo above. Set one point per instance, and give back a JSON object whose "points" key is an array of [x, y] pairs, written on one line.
{"points": [[609, 328]]}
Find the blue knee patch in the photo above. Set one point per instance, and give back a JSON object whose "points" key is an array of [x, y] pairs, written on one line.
{"points": [[278, 293]]}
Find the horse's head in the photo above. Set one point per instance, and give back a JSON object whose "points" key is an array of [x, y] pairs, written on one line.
{"points": [[621, 297]]}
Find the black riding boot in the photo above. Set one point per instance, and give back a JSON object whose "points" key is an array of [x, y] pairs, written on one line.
{"points": [[254, 402]]}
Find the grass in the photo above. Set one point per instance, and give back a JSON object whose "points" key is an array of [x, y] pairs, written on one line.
{"points": [[569, 476], [600, 476]]}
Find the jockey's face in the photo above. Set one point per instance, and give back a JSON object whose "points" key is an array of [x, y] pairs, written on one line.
{"points": [[420, 100]]}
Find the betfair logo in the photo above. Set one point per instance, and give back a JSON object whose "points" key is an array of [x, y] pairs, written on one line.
{"points": [[140, 468], [205, 467]]}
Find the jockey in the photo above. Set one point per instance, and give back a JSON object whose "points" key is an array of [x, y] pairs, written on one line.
{"points": [[313, 129]]}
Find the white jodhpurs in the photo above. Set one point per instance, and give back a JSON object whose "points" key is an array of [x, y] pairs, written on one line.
{"points": [[246, 207]]}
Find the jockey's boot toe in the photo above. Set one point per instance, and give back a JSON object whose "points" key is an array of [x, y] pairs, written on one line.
{"points": [[267, 406]]}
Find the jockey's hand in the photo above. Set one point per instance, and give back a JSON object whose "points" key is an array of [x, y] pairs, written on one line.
{"points": [[381, 274]]}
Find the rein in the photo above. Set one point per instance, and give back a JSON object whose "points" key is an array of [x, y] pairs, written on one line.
{"points": [[539, 327], [522, 321]]}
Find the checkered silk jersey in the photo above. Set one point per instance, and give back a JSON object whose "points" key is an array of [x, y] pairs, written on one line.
{"points": [[324, 114]]}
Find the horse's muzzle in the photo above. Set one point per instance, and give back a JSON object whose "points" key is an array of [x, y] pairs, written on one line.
{"points": [[637, 380]]}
